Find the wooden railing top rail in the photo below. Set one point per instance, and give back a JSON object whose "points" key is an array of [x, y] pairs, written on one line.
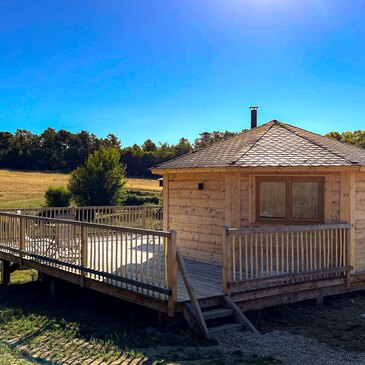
{"points": [[88, 224], [85, 207], [278, 229]]}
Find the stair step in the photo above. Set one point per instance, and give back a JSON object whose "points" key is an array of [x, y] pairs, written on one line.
{"points": [[228, 327], [217, 313]]}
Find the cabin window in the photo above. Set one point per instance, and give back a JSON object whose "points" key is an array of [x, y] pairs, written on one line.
{"points": [[292, 200]]}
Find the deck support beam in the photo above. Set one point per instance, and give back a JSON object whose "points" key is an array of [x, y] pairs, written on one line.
{"points": [[5, 272]]}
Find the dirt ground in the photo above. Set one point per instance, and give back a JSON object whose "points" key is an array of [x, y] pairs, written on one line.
{"points": [[338, 322]]}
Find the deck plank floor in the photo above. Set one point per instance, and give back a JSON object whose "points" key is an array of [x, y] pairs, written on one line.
{"points": [[125, 261], [206, 279]]}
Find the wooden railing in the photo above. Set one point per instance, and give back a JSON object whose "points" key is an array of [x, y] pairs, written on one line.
{"points": [[266, 256], [145, 216], [138, 260]]}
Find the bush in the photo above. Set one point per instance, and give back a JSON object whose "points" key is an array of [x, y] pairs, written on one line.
{"points": [[101, 180], [57, 196], [137, 197]]}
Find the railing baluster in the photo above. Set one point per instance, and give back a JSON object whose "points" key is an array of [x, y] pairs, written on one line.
{"points": [[240, 256], [271, 258], [302, 252], [261, 255], [246, 256], [234, 257], [256, 258], [267, 254], [277, 253], [251, 256]]}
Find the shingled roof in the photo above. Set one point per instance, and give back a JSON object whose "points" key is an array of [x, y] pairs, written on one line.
{"points": [[271, 145]]}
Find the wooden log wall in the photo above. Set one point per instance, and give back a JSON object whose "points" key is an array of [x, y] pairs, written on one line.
{"points": [[227, 198], [359, 222], [197, 215]]}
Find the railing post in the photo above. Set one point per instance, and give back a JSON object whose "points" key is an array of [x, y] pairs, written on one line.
{"points": [[348, 260], [144, 214], [226, 261], [73, 211], [21, 238], [83, 253], [172, 273]]}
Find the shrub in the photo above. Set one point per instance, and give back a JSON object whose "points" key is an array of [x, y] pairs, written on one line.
{"points": [[137, 197], [57, 196], [101, 180]]}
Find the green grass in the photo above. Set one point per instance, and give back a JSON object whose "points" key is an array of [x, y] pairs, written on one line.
{"points": [[80, 326]]}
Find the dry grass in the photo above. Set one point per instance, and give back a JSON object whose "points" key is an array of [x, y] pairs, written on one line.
{"points": [[24, 189], [143, 184]]}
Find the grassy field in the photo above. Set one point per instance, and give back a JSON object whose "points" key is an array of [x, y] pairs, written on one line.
{"points": [[20, 189], [83, 327]]}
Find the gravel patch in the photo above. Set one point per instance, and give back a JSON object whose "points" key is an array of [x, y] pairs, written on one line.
{"points": [[289, 348]]}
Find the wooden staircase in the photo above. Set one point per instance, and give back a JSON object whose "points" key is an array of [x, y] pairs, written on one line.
{"points": [[212, 321], [215, 320]]}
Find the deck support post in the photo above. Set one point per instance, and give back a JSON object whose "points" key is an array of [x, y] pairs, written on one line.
{"points": [[319, 301], [172, 273], [5, 272], [226, 261]]}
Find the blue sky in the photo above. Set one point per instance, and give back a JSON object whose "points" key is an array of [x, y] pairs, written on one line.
{"points": [[164, 69]]}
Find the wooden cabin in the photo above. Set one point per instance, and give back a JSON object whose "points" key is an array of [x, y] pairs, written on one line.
{"points": [[272, 215], [272, 176]]}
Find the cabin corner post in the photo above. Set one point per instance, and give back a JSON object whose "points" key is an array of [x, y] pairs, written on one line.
{"points": [[347, 213], [226, 260], [166, 203], [172, 273]]}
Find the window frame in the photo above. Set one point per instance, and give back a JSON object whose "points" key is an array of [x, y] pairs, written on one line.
{"points": [[288, 200]]}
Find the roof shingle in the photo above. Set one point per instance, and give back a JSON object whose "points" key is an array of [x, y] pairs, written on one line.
{"points": [[271, 145]]}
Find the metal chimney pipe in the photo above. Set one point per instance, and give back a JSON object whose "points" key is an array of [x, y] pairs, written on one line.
{"points": [[253, 116]]}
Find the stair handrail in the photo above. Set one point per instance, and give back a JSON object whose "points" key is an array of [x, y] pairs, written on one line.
{"points": [[193, 299]]}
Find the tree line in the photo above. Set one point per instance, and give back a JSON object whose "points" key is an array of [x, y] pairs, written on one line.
{"points": [[65, 151]]}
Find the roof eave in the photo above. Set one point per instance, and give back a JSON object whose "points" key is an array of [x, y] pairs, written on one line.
{"points": [[260, 169]]}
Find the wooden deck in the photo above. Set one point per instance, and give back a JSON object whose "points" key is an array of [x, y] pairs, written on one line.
{"points": [[140, 265]]}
